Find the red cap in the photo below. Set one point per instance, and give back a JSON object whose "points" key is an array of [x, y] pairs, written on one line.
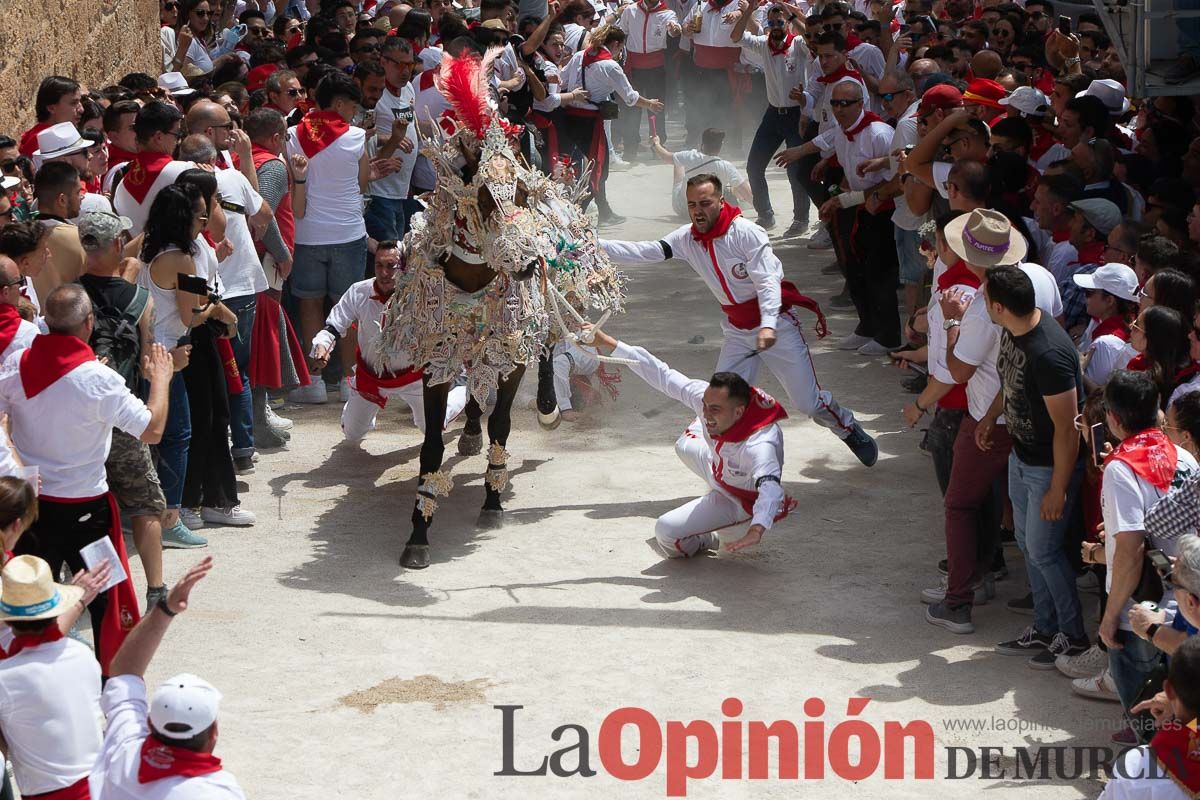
{"points": [[257, 77], [983, 92], [942, 96]]}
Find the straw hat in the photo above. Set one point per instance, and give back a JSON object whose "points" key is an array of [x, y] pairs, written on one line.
{"points": [[29, 592], [985, 238]]}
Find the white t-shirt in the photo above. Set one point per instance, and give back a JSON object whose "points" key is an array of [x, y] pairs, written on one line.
{"points": [[395, 186], [241, 271], [1125, 498], [50, 712], [334, 212], [115, 776], [1104, 354], [694, 163], [979, 341]]}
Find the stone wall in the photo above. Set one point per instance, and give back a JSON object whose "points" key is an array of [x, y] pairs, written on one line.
{"points": [[93, 41]]}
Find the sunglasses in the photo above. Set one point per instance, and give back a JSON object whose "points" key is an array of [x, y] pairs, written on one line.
{"points": [[400, 63], [261, 32], [199, 12], [776, 23], [832, 26], [178, 134], [367, 48], [294, 92], [1136, 325], [888, 97], [171, 6], [844, 103]]}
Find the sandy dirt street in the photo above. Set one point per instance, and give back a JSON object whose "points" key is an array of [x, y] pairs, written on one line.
{"points": [[345, 676]]}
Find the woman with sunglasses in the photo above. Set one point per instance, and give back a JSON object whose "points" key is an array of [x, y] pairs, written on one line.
{"points": [[195, 36], [1160, 337]]}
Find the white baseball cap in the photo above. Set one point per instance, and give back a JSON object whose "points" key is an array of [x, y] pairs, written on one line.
{"points": [[175, 84], [1118, 280], [9, 182], [1027, 100], [1110, 92], [184, 706]]}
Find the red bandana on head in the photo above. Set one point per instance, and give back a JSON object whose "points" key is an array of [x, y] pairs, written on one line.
{"points": [[161, 760], [867, 118], [51, 356], [783, 48], [318, 130], [144, 169], [1177, 749], [1151, 455]]}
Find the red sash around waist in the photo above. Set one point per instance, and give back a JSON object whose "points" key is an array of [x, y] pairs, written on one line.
{"points": [[747, 316], [368, 384]]}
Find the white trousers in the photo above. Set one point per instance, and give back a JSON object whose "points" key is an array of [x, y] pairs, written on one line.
{"points": [[791, 363], [359, 413], [684, 531], [570, 359]]}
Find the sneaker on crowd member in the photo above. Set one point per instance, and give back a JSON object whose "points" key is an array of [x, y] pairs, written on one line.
{"points": [[180, 536], [313, 394], [190, 517], [1097, 687], [821, 240], [235, 516], [1088, 664]]}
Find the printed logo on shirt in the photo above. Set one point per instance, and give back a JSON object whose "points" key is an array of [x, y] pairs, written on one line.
{"points": [[739, 271]]}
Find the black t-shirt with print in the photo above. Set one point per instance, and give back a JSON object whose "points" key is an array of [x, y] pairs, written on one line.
{"points": [[1040, 364]]}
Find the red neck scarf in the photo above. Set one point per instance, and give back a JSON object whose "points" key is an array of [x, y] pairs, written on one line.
{"points": [[119, 155], [958, 273], [25, 640], [1177, 749], [720, 227], [10, 323], [761, 411], [51, 356], [161, 760], [1150, 455], [144, 169], [1187, 373], [377, 293], [1091, 253], [783, 48], [1113, 326], [852, 41], [1042, 142], [1061, 235], [867, 118], [841, 72], [318, 130], [1138, 363], [592, 56]]}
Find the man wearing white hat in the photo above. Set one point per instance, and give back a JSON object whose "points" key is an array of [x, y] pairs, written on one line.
{"points": [[49, 683], [1112, 299], [61, 141], [1033, 106], [175, 85], [160, 747]]}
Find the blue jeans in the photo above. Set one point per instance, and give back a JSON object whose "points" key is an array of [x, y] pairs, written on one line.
{"points": [[1051, 577], [384, 219], [908, 250], [778, 125], [173, 448], [241, 411], [1132, 665]]}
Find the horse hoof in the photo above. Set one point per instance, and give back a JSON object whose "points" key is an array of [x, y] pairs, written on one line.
{"points": [[491, 519], [550, 421], [470, 444], [415, 556]]}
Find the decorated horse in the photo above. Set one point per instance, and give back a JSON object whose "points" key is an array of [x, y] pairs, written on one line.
{"points": [[502, 261]]}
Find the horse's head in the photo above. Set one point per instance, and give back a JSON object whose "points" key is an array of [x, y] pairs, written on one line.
{"points": [[506, 227]]}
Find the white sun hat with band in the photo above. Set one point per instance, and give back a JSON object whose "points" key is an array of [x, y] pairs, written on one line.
{"points": [[985, 238], [29, 592]]}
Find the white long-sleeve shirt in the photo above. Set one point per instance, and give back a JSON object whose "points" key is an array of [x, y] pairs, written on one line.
{"points": [[743, 465], [605, 80], [783, 71], [741, 267], [358, 305]]}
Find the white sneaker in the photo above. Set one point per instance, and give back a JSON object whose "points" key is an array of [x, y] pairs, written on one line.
{"points": [[233, 515], [313, 394], [277, 422], [344, 390], [853, 342], [874, 348], [1098, 687], [617, 164], [822, 240], [1085, 665], [191, 518]]}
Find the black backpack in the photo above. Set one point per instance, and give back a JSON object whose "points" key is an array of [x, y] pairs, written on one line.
{"points": [[116, 336]]}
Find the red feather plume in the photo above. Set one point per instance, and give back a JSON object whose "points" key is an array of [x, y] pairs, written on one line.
{"points": [[459, 81]]}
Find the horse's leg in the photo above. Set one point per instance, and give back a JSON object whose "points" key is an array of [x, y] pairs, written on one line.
{"points": [[431, 484], [470, 441], [499, 425], [549, 416]]}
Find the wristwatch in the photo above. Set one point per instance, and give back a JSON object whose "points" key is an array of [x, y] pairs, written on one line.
{"points": [[951, 323], [1151, 630]]}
